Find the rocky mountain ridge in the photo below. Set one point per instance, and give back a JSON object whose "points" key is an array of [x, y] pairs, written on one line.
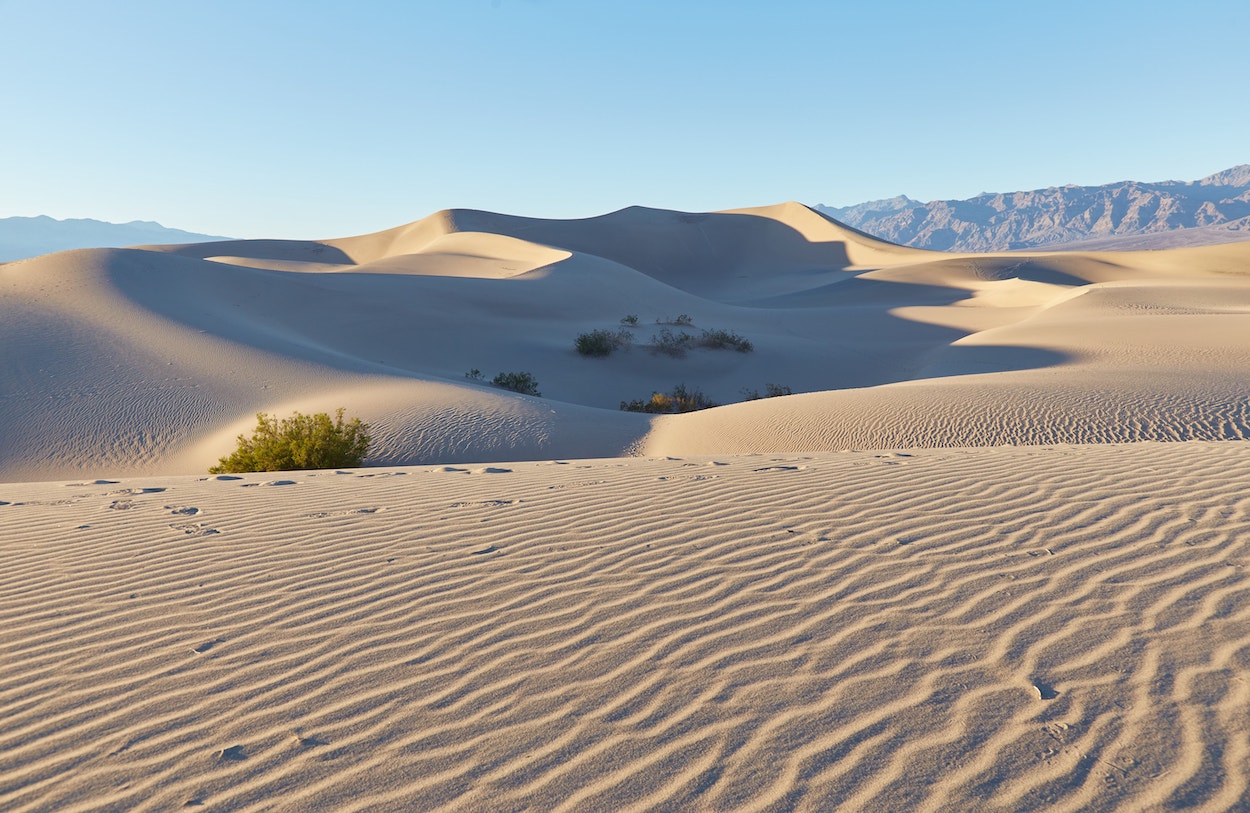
{"points": [[22, 237], [1219, 204]]}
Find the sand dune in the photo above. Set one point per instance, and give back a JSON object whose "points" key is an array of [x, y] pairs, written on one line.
{"points": [[931, 579], [1058, 628], [137, 361]]}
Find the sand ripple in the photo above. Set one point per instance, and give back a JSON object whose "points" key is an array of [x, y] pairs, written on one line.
{"points": [[1061, 628]]}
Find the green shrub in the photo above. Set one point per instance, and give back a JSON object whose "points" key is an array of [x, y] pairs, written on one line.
{"points": [[672, 344], [723, 339], [679, 400], [602, 342], [474, 375], [523, 383], [681, 320], [631, 320], [298, 442]]}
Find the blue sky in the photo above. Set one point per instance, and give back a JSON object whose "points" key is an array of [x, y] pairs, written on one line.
{"points": [[311, 118]]}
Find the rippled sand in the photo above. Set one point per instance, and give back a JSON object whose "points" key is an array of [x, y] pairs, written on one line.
{"points": [[1052, 628]]}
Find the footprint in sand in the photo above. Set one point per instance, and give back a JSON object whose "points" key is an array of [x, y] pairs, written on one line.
{"points": [[207, 645], [140, 491], [234, 753], [224, 477], [1044, 690], [182, 510], [92, 483], [309, 741], [347, 513], [781, 468], [270, 483], [121, 505], [194, 529]]}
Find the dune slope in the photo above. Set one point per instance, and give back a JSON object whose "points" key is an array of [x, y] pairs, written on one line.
{"points": [[150, 360]]}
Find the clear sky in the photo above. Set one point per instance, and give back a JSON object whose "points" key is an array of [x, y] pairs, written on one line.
{"points": [[324, 118]]}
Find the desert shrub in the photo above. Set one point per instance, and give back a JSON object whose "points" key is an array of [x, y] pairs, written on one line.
{"points": [[630, 320], [770, 391], [523, 383], [680, 320], [474, 375], [723, 339], [298, 442], [602, 342], [679, 400], [672, 344]]}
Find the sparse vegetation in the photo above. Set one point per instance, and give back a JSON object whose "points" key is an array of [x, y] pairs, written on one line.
{"points": [[678, 400], [770, 391], [298, 442], [668, 343], [723, 339], [521, 382], [602, 342], [474, 375]]}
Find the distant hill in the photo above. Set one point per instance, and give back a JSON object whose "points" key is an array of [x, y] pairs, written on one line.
{"points": [[1126, 215], [22, 237]]}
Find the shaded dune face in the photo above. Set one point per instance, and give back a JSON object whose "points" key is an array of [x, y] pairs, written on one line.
{"points": [[152, 359]]}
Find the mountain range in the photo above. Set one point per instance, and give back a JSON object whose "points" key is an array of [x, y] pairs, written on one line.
{"points": [[1125, 215], [22, 237]]}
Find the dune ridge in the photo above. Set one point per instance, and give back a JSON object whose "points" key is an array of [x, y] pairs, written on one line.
{"points": [[150, 360], [1048, 628], [990, 555]]}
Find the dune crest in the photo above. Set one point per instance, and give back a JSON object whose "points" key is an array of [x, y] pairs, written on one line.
{"points": [[131, 360]]}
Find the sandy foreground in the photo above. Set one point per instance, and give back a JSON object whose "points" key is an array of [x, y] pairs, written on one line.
{"points": [[1050, 628], [1035, 599]]}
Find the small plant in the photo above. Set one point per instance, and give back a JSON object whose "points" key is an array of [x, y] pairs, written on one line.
{"points": [[770, 391], [474, 375], [672, 344], [523, 383], [298, 442], [680, 320], [723, 339], [679, 400], [602, 342], [630, 321]]}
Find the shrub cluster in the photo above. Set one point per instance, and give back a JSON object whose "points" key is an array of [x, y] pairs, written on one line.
{"points": [[602, 342], [678, 400], [667, 342], [723, 340], [298, 442], [673, 344], [523, 383]]}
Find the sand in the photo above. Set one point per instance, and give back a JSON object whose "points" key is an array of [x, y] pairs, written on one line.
{"points": [[990, 556]]}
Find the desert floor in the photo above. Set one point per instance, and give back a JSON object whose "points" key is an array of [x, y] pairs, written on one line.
{"points": [[991, 555]]}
